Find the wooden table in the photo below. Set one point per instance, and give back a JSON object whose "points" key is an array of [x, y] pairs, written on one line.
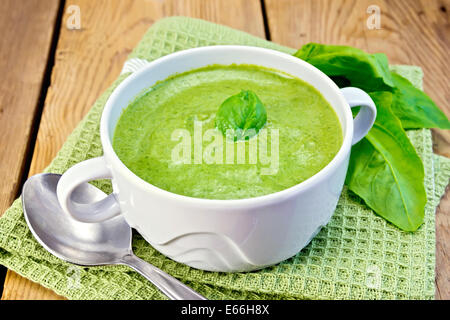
{"points": [[51, 74]]}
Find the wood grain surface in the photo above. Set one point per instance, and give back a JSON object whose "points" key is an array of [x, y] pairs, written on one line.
{"points": [[26, 36], [412, 32], [87, 61]]}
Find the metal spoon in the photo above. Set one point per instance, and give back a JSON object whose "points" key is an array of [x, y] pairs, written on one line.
{"points": [[88, 244]]}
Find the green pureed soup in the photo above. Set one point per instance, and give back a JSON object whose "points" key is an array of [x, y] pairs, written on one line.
{"points": [[167, 135]]}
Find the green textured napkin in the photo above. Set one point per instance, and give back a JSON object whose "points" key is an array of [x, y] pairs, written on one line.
{"points": [[358, 255]]}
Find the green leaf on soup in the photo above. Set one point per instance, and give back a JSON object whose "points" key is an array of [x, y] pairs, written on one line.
{"points": [[244, 113], [386, 172], [414, 108], [369, 72]]}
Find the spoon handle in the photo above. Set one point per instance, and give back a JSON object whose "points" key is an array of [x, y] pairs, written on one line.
{"points": [[171, 287]]}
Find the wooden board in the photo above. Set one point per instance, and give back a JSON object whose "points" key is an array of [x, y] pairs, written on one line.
{"points": [[88, 60], [412, 32], [26, 36]]}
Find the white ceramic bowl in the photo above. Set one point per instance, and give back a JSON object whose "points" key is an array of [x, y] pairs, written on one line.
{"points": [[220, 235]]}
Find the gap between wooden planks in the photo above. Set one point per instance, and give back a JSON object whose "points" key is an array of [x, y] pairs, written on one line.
{"points": [[87, 61]]}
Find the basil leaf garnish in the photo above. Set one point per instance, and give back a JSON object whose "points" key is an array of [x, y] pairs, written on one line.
{"points": [[244, 114]]}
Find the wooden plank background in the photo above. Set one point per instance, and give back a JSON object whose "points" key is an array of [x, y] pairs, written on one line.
{"points": [[86, 62], [22, 66], [27, 30]]}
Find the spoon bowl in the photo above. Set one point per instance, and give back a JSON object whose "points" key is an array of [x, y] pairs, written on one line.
{"points": [[73, 241]]}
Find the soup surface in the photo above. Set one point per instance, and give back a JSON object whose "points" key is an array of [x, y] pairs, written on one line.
{"points": [[167, 135]]}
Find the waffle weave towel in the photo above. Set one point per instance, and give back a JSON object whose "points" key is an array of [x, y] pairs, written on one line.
{"points": [[358, 255]]}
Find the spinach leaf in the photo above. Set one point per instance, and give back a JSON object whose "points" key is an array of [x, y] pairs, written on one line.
{"points": [[244, 113], [414, 108], [384, 169], [386, 172], [369, 72]]}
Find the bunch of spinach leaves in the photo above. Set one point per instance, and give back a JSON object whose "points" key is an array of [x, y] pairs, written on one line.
{"points": [[385, 169]]}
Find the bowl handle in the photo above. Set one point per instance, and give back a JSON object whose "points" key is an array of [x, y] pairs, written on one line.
{"points": [[80, 173], [366, 116]]}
